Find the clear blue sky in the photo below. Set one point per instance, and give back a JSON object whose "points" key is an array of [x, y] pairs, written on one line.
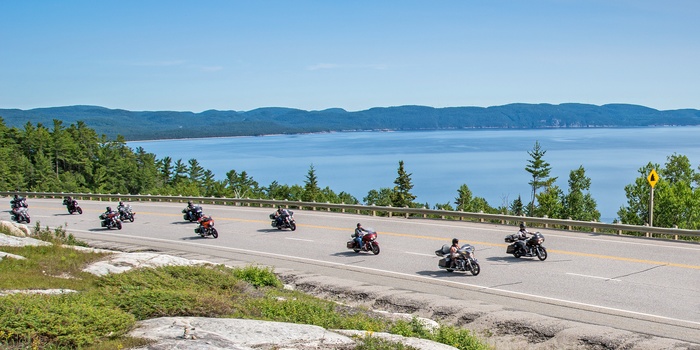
{"points": [[241, 55]]}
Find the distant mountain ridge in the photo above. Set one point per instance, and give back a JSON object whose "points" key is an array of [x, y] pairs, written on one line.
{"points": [[150, 125]]}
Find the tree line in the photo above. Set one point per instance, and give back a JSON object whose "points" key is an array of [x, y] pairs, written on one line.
{"points": [[75, 158]]}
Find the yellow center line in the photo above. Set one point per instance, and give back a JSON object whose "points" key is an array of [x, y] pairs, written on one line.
{"points": [[475, 243]]}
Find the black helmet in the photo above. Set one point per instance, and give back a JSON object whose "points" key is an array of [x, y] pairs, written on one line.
{"points": [[455, 241], [189, 202], [109, 208], [121, 203], [358, 224], [522, 225]]}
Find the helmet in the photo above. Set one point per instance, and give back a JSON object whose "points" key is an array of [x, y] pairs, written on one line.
{"points": [[109, 208], [121, 203], [358, 224], [189, 202], [455, 241], [522, 225]]}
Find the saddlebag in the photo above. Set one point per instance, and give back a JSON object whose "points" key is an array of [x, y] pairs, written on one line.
{"points": [[442, 262], [510, 249], [351, 244]]}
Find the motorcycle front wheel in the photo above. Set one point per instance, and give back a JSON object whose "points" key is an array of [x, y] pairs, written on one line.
{"points": [[475, 268], [375, 248], [293, 226], [541, 253], [119, 225], [80, 211], [214, 233], [131, 218]]}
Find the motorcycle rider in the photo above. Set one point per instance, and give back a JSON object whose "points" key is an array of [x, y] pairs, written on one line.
{"points": [[359, 233], [453, 252], [522, 237], [190, 210], [280, 214]]}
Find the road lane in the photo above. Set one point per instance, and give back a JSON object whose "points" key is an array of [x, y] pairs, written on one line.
{"points": [[617, 281]]}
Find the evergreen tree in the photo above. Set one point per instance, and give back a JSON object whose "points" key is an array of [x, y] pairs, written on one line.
{"points": [[578, 204], [516, 208], [539, 169], [312, 193], [401, 194], [464, 198]]}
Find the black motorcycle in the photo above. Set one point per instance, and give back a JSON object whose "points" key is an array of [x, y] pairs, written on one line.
{"points": [[192, 214], [72, 206], [111, 220], [126, 213], [283, 221], [533, 246], [20, 214], [465, 261]]}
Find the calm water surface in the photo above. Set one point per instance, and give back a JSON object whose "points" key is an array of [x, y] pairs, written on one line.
{"points": [[491, 162]]}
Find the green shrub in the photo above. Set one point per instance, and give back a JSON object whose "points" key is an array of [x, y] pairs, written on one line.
{"points": [[68, 320], [258, 276]]}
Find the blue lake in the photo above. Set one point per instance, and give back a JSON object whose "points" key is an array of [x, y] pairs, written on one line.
{"points": [[491, 162]]}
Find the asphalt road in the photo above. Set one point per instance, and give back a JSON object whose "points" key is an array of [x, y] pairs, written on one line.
{"points": [[636, 284]]}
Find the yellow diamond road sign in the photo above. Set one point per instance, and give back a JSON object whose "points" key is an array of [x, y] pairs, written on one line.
{"points": [[653, 178]]}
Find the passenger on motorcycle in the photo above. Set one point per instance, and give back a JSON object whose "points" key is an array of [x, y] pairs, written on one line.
{"points": [[453, 252], [109, 211], [359, 232], [522, 237]]}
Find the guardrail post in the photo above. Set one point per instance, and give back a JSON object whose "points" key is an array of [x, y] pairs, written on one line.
{"points": [[569, 226], [481, 219]]}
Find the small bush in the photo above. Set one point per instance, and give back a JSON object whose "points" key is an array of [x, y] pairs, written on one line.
{"points": [[258, 276], [68, 320]]}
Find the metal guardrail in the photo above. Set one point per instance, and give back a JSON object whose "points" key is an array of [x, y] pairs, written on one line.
{"points": [[373, 210]]}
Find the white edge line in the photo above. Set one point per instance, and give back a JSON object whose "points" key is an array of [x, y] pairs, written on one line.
{"points": [[597, 277], [299, 239]]}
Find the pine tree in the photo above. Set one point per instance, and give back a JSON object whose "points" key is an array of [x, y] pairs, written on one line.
{"points": [[401, 194], [312, 193], [539, 169]]}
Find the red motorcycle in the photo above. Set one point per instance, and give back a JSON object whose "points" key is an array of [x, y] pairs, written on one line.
{"points": [[369, 242], [206, 227]]}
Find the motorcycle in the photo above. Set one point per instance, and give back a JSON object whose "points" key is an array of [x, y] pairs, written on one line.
{"points": [[111, 220], [20, 214], [369, 242], [284, 221], [126, 213], [206, 227], [533, 246], [72, 206], [192, 214], [465, 261]]}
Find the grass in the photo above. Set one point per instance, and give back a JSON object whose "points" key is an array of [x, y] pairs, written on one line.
{"points": [[106, 308]]}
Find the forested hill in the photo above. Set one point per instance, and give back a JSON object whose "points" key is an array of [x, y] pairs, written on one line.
{"points": [[135, 125]]}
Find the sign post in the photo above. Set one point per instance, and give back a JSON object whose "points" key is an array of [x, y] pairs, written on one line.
{"points": [[653, 178]]}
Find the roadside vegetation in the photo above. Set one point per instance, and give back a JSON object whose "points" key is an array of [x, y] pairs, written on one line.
{"points": [[102, 310]]}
